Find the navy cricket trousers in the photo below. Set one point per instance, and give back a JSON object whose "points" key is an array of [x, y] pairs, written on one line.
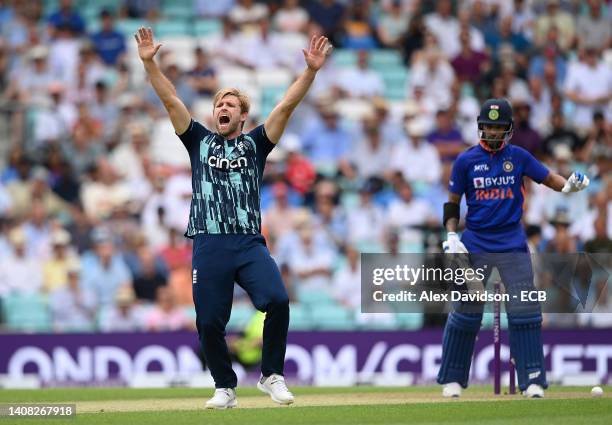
{"points": [[219, 260]]}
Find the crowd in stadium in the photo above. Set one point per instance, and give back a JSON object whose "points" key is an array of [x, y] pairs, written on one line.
{"points": [[95, 188]]}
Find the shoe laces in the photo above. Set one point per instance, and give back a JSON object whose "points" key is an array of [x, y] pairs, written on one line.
{"points": [[226, 391], [279, 383]]}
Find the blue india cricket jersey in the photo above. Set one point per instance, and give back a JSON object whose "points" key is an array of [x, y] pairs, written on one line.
{"points": [[226, 177], [493, 186]]}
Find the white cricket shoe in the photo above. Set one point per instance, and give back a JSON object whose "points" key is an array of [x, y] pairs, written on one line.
{"points": [[224, 398], [452, 389], [275, 386], [534, 391]]}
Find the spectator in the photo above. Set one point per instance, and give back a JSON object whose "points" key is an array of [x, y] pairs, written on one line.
{"points": [[290, 17], [469, 65], [446, 137], [329, 217], [310, 259], [327, 142], [562, 21], [594, 29], [299, 172], [562, 242], [279, 218], [247, 14], [130, 156], [104, 271], [84, 149], [360, 81], [64, 54], [166, 315], [358, 27], [54, 124], [149, 271], [366, 222], [407, 215], [371, 153], [589, 85], [25, 192], [507, 37], [62, 260], [392, 24], [177, 255], [347, 281], [104, 110], [414, 39], [264, 49], [140, 9], [29, 85], [549, 57], [223, 48], [123, 315], [109, 43], [328, 15], [20, 273], [524, 18], [433, 72], [444, 26], [213, 9], [66, 17], [561, 135], [73, 308], [415, 159], [203, 77], [525, 136]]}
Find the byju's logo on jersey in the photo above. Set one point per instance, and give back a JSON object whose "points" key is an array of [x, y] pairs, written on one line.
{"points": [[227, 164], [479, 182], [482, 182], [481, 167]]}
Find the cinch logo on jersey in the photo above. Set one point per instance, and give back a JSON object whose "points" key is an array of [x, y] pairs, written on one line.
{"points": [[484, 191], [227, 164]]}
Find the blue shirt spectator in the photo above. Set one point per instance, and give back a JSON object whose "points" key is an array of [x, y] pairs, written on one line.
{"points": [[328, 15], [103, 270], [326, 142], [108, 43], [66, 16]]}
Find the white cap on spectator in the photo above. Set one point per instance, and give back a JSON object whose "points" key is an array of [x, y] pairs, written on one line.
{"points": [[38, 52], [17, 236], [60, 237], [291, 142], [417, 127], [562, 153]]}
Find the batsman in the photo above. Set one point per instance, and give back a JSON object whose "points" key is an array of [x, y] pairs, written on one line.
{"points": [[490, 175]]}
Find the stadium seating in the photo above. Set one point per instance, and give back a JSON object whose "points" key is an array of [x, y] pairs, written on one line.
{"points": [[27, 313]]}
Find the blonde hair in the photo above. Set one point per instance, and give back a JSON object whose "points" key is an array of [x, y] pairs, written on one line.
{"points": [[243, 99]]}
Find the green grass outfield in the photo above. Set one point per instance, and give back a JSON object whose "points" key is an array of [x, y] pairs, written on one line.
{"points": [[358, 405]]}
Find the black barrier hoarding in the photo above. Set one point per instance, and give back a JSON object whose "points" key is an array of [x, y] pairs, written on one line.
{"points": [[439, 283]]}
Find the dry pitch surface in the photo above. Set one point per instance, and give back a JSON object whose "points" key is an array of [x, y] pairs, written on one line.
{"points": [[358, 405]]}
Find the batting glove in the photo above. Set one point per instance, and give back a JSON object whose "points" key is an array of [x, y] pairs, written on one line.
{"points": [[453, 245], [576, 182]]}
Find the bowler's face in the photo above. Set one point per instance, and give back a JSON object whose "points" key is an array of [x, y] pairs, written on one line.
{"points": [[228, 116]]}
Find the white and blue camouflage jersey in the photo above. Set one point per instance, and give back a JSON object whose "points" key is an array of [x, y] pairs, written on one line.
{"points": [[225, 176]]}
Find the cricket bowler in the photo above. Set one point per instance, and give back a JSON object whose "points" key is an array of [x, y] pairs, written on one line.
{"points": [[490, 175], [225, 221]]}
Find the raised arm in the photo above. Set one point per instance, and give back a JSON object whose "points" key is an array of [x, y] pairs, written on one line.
{"points": [[177, 111], [315, 58]]}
